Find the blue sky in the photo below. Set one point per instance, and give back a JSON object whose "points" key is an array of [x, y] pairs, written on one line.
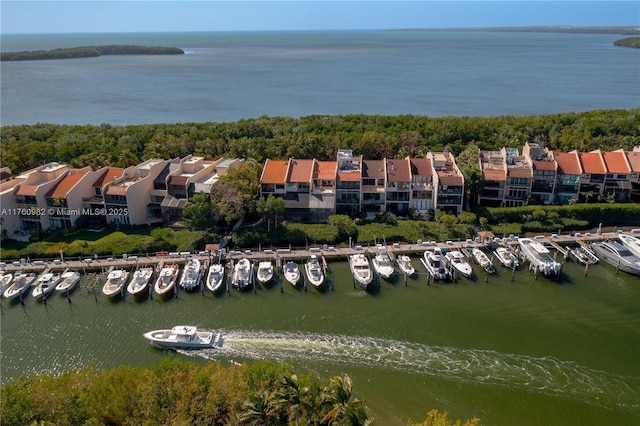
{"points": [[25, 16]]}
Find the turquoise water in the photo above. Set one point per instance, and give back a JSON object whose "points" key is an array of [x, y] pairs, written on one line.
{"points": [[235, 75], [511, 352]]}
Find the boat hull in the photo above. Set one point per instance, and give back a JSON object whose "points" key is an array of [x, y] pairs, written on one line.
{"points": [[184, 337]]}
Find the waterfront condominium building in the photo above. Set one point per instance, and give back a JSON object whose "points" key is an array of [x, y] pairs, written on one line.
{"points": [[421, 186], [633, 158], [618, 178], [569, 175], [374, 185], [545, 173], [448, 182], [348, 182], [398, 187]]}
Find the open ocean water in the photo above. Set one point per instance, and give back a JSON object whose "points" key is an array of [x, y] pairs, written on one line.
{"points": [[236, 75]]}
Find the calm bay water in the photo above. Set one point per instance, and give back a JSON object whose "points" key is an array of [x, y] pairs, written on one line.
{"points": [[230, 76], [521, 352]]}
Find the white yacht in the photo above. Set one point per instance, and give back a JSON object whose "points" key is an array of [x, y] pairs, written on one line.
{"points": [[539, 256], [292, 273], [434, 262], [21, 284], [404, 263], [361, 270], [507, 257], [265, 271], [184, 337], [456, 260], [5, 282], [215, 277], [140, 281], [483, 260], [631, 243], [68, 281], [116, 280], [315, 275], [45, 284], [617, 255], [190, 278], [166, 281], [382, 264], [242, 274]]}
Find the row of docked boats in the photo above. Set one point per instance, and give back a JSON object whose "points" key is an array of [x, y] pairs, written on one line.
{"points": [[16, 286]]}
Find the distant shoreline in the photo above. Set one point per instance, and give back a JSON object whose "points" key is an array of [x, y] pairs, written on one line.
{"points": [[625, 30], [633, 42], [89, 52]]}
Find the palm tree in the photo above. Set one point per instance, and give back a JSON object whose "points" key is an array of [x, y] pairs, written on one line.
{"points": [[292, 395], [344, 411], [261, 410]]}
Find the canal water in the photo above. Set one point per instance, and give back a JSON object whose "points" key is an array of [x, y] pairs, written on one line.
{"points": [[524, 351]]}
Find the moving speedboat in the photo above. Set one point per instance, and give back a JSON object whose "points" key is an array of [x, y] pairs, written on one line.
{"points": [[292, 273], [265, 271], [631, 243], [5, 282], [45, 284], [21, 284], [215, 277], [68, 281], [434, 262], [242, 274], [404, 263], [166, 281], [184, 337], [315, 275], [507, 257], [361, 270], [483, 260], [617, 255], [115, 283], [190, 278], [456, 260], [382, 264], [539, 256], [140, 281]]}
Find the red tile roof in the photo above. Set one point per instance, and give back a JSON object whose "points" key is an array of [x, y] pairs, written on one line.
{"points": [[373, 169], [398, 171], [568, 163], [520, 172], [545, 165], [421, 166], [301, 171], [62, 188], [593, 163], [108, 175], [616, 162], [116, 190], [26, 190], [634, 160], [275, 171], [494, 175], [349, 176], [325, 170], [450, 180]]}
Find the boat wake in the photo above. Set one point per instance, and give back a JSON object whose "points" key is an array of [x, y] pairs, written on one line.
{"points": [[546, 375]]}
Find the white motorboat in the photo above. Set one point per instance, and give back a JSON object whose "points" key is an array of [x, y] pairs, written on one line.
{"points": [[361, 270], [582, 255], [539, 256], [116, 280], [184, 337], [631, 243], [315, 275], [382, 264], [434, 262], [404, 263], [190, 278], [483, 260], [617, 255], [167, 278], [242, 276], [21, 284], [215, 277], [5, 282], [292, 273], [68, 281], [140, 281], [507, 257], [45, 284], [265, 271], [456, 260]]}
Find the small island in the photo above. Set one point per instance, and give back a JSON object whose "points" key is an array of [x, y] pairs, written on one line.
{"points": [[628, 42], [89, 52]]}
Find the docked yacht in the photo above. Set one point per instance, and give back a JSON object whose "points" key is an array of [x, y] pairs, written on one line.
{"points": [[45, 284], [190, 278], [404, 264], [315, 275], [617, 255], [21, 284], [434, 262], [265, 271], [166, 281], [361, 270], [382, 264], [140, 281], [116, 280], [631, 243], [292, 273], [483, 260], [184, 337], [539, 256], [456, 260], [68, 281], [507, 257], [215, 277], [242, 274], [5, 282]]}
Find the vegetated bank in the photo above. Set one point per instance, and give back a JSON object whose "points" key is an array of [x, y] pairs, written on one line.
{"points": [[628, 42], [89, 52]]}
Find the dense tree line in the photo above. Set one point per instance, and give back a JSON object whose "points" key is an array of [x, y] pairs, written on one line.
{"points": [[23, 147], [89, 51]]}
